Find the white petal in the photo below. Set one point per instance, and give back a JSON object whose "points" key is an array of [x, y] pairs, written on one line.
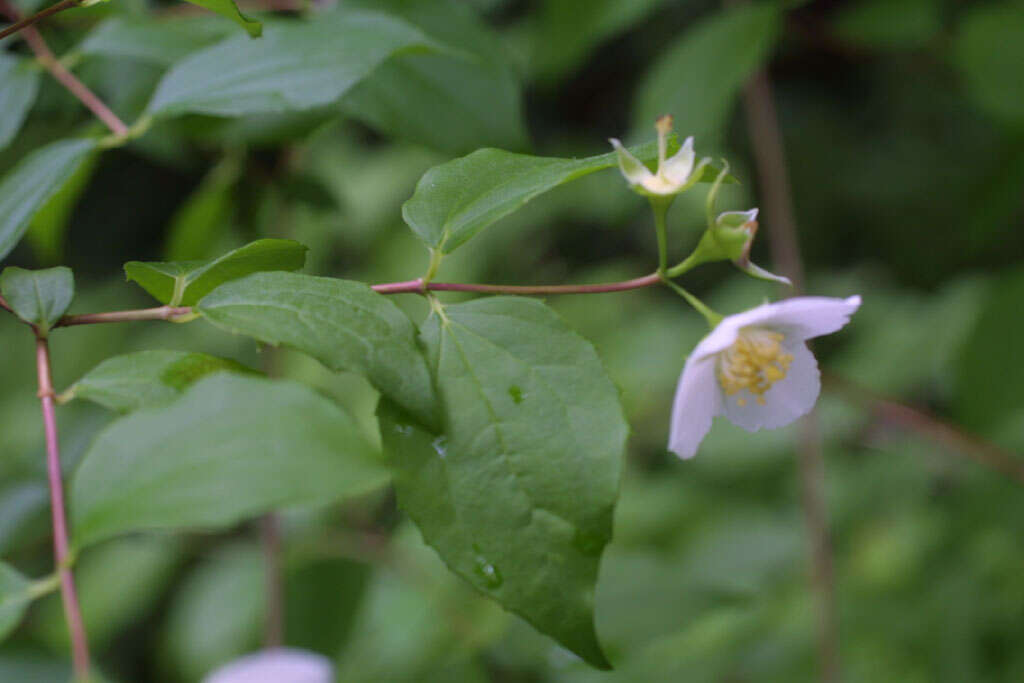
{"points": [[634, 170], [698, 400], [799, 318], [789, 398], [804, 317], [678, 167], [275, 666]]}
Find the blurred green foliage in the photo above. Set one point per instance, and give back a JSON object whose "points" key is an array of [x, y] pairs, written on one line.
{"points": [[904, 129]]}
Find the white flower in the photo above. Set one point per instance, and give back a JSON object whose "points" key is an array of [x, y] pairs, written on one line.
{"points": [[675, 174], [755, 369], [281, 665]]}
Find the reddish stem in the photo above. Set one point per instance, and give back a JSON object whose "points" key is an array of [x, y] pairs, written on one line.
{"points": [[61, 547], [418, 286], [65, 77]]}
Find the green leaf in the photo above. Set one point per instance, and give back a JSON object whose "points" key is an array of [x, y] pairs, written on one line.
{"points": [[889, 23], [32, 182], [48, 229], [146, 378], [459, 198], [993, 76], [454, 104], [39, 297], [161, 41], [568, 30], [19, 83], [989, 375], [297, 65], [183, 283], [698, 78], [227, 8], [345, 325], [15, 597], [218, 612], [517, 494], [231, 447]]}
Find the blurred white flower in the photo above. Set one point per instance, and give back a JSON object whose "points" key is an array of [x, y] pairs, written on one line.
{"points": [[755, 369], [674, 175], [275, 666]]}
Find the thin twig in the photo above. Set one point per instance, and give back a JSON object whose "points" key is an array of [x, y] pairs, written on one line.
{"points": [[418, 286], [61, 546], [65, 77], [770, 158], [407, 287], [24, 23], [159, 313], [949, 436]]}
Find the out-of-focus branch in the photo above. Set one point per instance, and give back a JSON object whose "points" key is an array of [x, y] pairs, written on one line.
{"points": [[20, 24], [780, 219], [945, 434], [50, 62]]}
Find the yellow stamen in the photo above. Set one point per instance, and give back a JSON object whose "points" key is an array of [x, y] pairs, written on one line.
{"points": [[754, 362]]}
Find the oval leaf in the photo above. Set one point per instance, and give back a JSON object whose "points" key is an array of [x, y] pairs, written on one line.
{"points": [[345, 325], [454, 104], [183, 283], [15, 597], [517, 495], [227, 8], [698, 79], [138, 380], [458, 199], [231, 447], [19, 83], [162, 41], [32, 182], [296, 65], [39, 297]]}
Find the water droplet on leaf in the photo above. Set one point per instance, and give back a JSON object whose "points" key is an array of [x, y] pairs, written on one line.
{"points": [[440, 445], [487, 572]]}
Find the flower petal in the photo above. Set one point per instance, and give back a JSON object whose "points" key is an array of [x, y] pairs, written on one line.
{"points": [[632, 168], [698, 400], [275, 666], [679, 166], [805, 317], [799, 318], [790, 398]]}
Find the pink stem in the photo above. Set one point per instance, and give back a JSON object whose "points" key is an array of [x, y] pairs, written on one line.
{"points": [[418, 286], [72, 610], [407, 287]]}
